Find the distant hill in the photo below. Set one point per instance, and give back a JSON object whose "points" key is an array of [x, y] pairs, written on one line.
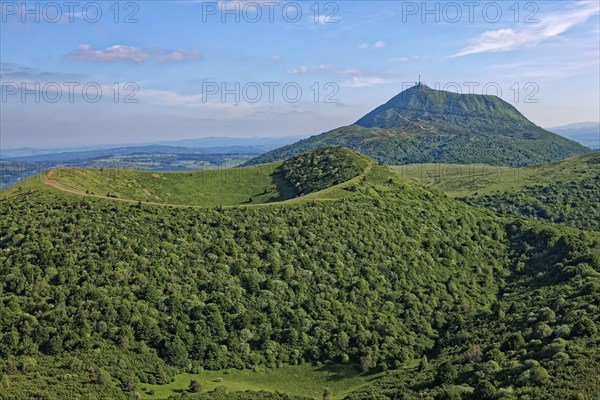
{"points": [[70, 156], [425, 125], [205, 145], [566, 191], [586, 133]]}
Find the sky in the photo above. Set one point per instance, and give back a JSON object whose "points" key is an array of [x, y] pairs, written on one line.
{"points": [[105, 72]]}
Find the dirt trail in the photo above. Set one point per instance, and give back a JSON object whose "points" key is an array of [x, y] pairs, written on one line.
{"points": [[430, 129]]}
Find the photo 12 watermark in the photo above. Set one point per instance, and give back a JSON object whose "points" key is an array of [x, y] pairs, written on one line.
{"points": [[54, 92], [55, 12], [269, 92], [252, 12], [469, 11], [516, 92]]}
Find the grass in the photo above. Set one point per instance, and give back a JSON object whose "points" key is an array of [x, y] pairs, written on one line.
{"points": [[226, 187], [299, 380], [255, 186], [35, 186], [458, 180]]}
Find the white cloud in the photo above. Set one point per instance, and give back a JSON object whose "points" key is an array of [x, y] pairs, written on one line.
{"points": [[364, 81], [550, 26], [179, 55], [86, 52], [275, 58], [325, 68], [323, 19], [169, 97], [198, 101], [353, 77], [406, 59], [541, 70], [380, 44]]}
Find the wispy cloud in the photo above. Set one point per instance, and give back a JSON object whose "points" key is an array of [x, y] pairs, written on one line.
{"points": [[406, 59], [549, 26], [15, 72], [353, 77], [547, 70], [364, 81], [86, 52], [325, 68], [380, 44], [170, 97], [179, 55]]}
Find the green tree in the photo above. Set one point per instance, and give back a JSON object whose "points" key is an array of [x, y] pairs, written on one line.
{"points": [[366, 362], [539, 376], [584, 327], [194, 387], [446, 373], [484, 390], [423, 363]]}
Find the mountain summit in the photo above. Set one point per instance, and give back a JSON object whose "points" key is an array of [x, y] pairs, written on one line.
{"points": [[422, 124], [420, 103]]}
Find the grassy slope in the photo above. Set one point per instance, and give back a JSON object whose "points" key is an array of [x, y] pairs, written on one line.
{"points": [[564, 192], [202, 188], [479, 179]]}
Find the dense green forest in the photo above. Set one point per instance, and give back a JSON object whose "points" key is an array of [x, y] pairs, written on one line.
{"points": [[571, 203], [98, 297]]}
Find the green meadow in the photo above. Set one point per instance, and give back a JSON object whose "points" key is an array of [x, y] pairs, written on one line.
{"points": [[296, 380], [226, 187]]}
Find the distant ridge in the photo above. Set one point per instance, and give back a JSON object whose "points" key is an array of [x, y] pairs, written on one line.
{"points": [[422, 125], [586, 133]]}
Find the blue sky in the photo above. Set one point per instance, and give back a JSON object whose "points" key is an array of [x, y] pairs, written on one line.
{"points": [[175, 58]]}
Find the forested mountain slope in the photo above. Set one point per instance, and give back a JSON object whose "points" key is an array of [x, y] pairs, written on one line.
{"points": [[98, 294], [422, 125], [566, 192]]}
